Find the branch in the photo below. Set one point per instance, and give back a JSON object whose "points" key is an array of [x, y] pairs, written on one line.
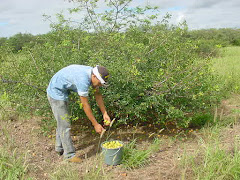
{"points": [[116, 16], [34, 62], [117, 13], [89, 14]]}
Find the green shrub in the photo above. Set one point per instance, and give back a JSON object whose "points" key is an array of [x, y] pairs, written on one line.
{"points": [[236, 42], [199, 120], [156, 72]]}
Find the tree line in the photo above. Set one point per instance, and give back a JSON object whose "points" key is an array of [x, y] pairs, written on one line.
{"points": [[208, 37]]}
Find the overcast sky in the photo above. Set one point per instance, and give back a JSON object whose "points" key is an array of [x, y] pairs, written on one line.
{"points": [[25, 16]]}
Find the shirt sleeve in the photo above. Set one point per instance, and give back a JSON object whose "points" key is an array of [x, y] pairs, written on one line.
{"points": [[82, 85], [84, 94]]}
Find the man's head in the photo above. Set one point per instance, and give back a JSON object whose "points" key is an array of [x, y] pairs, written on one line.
{"points": [[100, 76]]}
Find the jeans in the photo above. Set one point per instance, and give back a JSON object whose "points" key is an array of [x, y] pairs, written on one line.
{"points": [[63, 138]]}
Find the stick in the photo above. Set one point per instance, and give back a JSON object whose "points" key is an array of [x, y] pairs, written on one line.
{"points": [[110, 128], [102, 133]]}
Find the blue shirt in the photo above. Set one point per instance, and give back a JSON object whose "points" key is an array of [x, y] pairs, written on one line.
{"points": [[74, 77]]}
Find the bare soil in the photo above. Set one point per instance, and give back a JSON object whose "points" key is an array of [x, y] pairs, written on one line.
{"points": [[26, 137]]}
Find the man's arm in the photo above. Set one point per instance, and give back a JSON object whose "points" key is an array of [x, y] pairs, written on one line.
{"points": [[101, 105], [88, 111], [100, 102]]}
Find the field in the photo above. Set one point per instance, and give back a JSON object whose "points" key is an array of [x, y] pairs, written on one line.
{"points": [[211, 152]]}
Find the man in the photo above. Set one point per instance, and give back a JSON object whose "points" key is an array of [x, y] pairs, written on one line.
{"points": [[77, 78]]}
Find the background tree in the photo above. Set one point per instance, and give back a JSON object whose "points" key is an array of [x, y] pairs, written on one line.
{"points": [[18, 41]]}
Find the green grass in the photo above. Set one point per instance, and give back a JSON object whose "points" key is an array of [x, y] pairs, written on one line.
{"points": [[218, 164], [212, 158], [66, 171], [11, 166], [135, 158], [227, 66], [211, 161]]}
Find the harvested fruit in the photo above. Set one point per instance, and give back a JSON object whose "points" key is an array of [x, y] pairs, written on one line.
{"points": [[106, 122], [112, 145]]}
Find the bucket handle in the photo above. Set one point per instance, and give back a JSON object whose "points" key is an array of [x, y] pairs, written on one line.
{"points": [[115, 153]]}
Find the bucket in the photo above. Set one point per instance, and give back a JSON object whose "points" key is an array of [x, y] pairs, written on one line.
{"points": [[112, 156]]}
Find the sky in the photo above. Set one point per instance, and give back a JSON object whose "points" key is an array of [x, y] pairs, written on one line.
{"points": [[26, 16]]}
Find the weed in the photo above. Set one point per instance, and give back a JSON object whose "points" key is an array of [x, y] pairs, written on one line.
{"points": [[12, 167], [67, 172], [135, 158]]}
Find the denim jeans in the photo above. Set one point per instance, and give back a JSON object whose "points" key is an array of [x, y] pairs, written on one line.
{"points": [[63, 137]]}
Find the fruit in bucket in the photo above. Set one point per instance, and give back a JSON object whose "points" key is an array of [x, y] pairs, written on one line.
{"points": [[112, 145]]}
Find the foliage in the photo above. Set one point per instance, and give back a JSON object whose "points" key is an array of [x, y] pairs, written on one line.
{"points": [[2, 41], [199, 120], [227, 68], [156, 72], [223, 36], [18, 41]]}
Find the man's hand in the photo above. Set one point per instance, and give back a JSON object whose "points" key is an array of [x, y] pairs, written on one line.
{"points": [[98, 128], [106, 119]]}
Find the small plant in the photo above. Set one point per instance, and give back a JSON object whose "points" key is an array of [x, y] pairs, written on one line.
{"points": [[11, 166], [96, 170], [135, 158]]}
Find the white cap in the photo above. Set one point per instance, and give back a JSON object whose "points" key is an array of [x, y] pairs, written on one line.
{"points": [[97, 74]]}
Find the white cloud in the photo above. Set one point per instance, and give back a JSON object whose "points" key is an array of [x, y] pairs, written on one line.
{"points": [[181, 17]]}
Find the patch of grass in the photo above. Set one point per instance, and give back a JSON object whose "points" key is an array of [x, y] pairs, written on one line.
{"points": [[67, 172], [96, 170], [218, 164], [212, 163], [93, 170], [199, 120], [11, 166], [135, 158], [211, 160], [227, 67]]}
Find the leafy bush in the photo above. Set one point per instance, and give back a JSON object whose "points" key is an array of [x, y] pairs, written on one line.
{"points": [[156, 72], [222, 36], [18, 41], [236, 42]]}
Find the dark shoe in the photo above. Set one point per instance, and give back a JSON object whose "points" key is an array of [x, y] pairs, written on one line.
{"points": [[75, 159], [60, 153]]}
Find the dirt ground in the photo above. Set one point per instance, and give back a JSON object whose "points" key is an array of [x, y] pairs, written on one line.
{"points": [[26, 137]]}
